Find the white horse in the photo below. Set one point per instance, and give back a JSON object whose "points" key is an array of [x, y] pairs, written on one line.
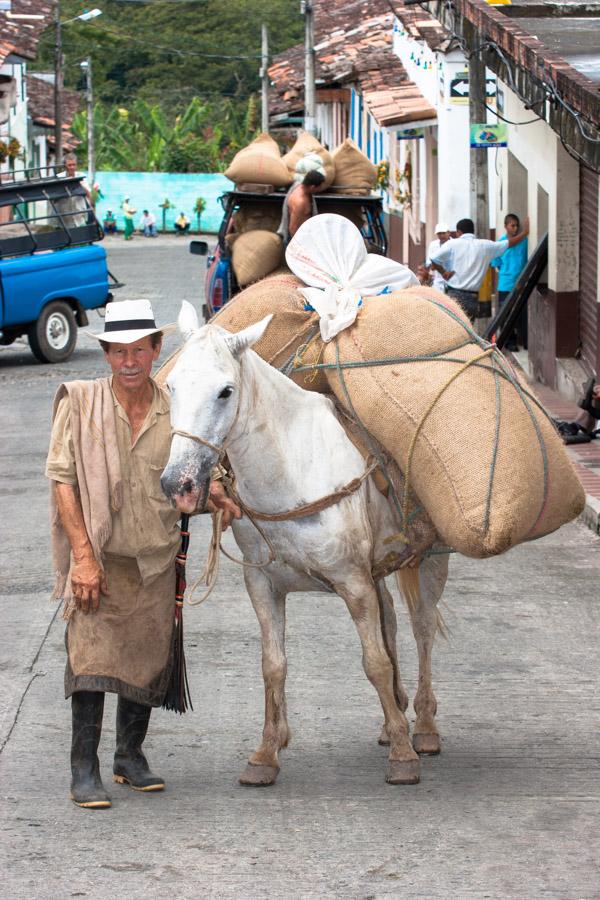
{"points": [[287, 448]]}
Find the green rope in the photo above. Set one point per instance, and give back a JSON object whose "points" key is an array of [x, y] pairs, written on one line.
{"points": [[385, 361], [367, 364], [488, 502]]}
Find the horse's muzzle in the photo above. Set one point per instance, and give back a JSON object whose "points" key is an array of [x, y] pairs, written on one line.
{"points": [[184, 492]]}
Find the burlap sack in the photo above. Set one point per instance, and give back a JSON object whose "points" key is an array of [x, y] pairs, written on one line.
{"points": [[260, 163], [484, 459], [354, 173], [254, 255], [307, 143], [419, 533], [292, 327], [257, 216]]}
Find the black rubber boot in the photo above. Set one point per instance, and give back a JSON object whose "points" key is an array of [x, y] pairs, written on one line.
{"points": [[131, 766], [87, 789]]}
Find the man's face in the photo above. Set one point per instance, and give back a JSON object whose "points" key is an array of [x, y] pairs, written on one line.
{"points": [[442, 236], [71, 167], [131, 364], [512, 227]]}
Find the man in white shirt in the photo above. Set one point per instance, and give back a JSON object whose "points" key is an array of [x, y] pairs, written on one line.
{"points": [[148, 224], [74, 209], [464, 261], [442, 235]]}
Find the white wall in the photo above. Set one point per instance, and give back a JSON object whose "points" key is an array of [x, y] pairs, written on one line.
{"points": [[432, 73]]}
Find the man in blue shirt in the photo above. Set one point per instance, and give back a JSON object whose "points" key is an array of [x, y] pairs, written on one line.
{"points": [[509, 266]]}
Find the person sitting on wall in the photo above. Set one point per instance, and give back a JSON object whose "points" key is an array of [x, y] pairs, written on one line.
{"points": [[148, 224], [109, 223], [182, 224]]}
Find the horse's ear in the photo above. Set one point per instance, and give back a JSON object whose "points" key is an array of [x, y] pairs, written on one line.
{"points": [[187, 320], [239, 342]]}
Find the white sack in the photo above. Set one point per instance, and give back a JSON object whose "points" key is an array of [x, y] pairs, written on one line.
{"points": [[308, 163], [329, 254]]}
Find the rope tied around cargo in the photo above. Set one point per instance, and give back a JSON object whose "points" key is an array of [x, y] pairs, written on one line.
{"points": [[490, 359]]}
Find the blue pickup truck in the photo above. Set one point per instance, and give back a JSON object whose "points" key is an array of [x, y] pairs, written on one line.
{"points": [[52, 270]]}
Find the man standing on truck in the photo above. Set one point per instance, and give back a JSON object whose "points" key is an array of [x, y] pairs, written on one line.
{"points": [[115, 537], [300, 204]]}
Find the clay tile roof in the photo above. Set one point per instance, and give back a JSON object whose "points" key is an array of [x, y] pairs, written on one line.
{"points": [[398, 105], [40, 96], [422, 26], [353, 45], [22, 37]]}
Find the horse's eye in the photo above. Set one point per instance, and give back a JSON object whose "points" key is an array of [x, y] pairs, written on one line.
{"points": [[225, 393]]}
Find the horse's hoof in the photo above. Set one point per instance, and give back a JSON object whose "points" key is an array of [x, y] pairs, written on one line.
{"points": [[259, 776], [427, 744], [405, 771], [383, 739]]}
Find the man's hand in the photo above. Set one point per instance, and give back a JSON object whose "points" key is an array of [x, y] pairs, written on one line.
{"points": [[447, 275], [88, 581], [218, 499], [526, 225]]}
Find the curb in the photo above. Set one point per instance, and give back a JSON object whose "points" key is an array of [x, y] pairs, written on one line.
{"points": [[591, 514]]}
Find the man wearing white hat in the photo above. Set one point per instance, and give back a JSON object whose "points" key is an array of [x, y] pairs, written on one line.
{"points": [[115, 537], [442, 234]]}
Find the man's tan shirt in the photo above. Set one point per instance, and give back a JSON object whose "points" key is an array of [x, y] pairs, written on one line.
{"points": [[146, 526]]}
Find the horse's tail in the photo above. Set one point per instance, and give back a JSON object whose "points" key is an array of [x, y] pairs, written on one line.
{"points": [[409, 585]]}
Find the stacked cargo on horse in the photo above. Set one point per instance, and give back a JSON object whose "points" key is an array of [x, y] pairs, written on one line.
{"points": [[403, 362]]}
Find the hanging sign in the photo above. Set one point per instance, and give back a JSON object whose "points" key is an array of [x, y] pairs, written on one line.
{"points": [[484, 136], [459, 88], [410, 134]]}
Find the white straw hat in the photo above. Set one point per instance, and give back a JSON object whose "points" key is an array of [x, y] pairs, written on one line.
{"points": [[127, 321], [441, 227]]}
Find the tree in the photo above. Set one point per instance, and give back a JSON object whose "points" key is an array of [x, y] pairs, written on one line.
{"points": [[167, 53], [199, 207], [144, 138]]}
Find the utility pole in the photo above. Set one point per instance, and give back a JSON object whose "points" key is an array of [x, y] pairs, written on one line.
{"points": [[58, 78], [264, 80], [90, 123], [310, 125], [480, 212]]}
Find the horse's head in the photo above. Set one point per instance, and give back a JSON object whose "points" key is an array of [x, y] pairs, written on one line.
{"points": [[205, 385]]}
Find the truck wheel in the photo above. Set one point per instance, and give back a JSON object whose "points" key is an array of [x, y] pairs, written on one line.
{"points": [[53, 337]]}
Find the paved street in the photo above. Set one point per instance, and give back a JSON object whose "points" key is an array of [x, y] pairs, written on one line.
{"points": [[509, 810]]}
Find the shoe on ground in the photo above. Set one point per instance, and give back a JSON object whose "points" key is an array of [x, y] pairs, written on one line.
{"points": [[573, 432]]}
